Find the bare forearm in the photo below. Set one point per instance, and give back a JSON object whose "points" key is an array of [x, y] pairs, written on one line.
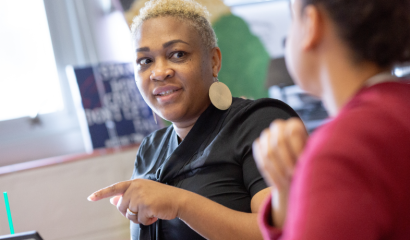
{"points": [[214, 221], [279, 206]]}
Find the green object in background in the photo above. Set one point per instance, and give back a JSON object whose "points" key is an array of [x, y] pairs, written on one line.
{"points": [[6, 200], [245, 61]]}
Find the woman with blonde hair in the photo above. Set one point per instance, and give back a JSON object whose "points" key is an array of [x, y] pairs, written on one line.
{"points": [[197, 178]]}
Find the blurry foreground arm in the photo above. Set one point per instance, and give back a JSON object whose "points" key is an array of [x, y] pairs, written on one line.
{"points": [[344, 187], [152, 201], [276, 152]]}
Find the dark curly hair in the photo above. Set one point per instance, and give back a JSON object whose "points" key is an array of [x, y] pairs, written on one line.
{"points": [[375, 30]]}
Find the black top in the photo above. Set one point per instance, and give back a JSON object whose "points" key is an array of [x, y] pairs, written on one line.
{"points": [[214, 160]]}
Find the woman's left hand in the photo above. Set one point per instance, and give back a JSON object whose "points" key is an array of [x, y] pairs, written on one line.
{"points": [[148, 199], [276, 152]]}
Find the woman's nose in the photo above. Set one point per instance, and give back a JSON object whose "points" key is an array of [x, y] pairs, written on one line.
{"points": [[161, 72]]}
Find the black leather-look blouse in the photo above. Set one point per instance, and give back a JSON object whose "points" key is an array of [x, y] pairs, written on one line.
{"points": [[214, 160]]}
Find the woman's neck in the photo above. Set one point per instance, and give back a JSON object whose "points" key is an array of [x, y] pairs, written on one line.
{"points": [[183, 126], [182, 129], [340, 81]]}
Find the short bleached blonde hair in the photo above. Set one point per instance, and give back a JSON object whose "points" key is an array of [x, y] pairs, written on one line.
{"points": [[188, 11]]}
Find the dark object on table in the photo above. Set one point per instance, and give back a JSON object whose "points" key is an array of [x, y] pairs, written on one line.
{"points": [[32, 235], [278, 73]]}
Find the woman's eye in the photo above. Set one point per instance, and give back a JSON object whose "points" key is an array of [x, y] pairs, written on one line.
{"points": [[178, 54], [144, 61]]}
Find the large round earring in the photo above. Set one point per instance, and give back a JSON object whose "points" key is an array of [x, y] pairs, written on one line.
{"points": [[220, 95]]}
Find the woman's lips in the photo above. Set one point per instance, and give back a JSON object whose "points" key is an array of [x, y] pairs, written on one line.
{"points": [[166, 93], [160, 91]]}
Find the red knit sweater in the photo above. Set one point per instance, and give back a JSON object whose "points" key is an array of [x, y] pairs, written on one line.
{"points": [[353, 179]]}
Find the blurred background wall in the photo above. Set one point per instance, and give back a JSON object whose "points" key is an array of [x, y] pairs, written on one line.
{"points": [[53, 199]]}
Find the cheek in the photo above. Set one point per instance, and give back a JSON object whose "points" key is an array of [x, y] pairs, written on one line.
{"points": [[293, 56], [143, 87], [290, 55], [197, 79]]}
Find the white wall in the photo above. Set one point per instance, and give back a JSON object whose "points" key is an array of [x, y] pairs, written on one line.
{"points": [[52, 200], [268, 20]]}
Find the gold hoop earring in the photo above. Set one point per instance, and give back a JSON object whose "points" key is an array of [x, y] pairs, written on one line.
{"points": [[220, 95]]}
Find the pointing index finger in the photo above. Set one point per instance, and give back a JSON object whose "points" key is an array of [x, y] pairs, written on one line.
{"points": [[110, 191]]}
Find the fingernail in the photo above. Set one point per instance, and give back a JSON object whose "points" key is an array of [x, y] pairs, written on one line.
{"points": [[91, 197]]}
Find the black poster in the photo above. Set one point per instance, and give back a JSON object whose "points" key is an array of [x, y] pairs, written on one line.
{"points": [[113, 108]]}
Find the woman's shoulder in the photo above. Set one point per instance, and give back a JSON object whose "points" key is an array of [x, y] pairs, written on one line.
{"points": [[262, 106], [372, 118], [248, 118], [382, 106]]}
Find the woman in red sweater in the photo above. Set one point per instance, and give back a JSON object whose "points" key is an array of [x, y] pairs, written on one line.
{"points": [[352, 179]]}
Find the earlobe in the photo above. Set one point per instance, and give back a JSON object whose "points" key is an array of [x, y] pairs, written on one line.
{"points": [[313, 27]]}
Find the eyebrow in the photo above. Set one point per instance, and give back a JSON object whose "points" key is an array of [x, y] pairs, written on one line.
{"points": [[165, 45], [143, 49]]}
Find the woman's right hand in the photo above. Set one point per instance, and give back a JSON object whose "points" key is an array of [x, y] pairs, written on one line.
{"points": [[147, 199], [276, 152]]}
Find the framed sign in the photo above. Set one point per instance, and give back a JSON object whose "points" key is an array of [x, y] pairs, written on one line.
{"points": [[109, 105]]}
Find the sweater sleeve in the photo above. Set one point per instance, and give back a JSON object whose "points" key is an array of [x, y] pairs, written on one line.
{"points": [[352, 179], [265, 221], [343, 187]]}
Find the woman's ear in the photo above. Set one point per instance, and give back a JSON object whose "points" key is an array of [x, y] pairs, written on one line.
{"points": [[313, 27], [216, 60]]}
